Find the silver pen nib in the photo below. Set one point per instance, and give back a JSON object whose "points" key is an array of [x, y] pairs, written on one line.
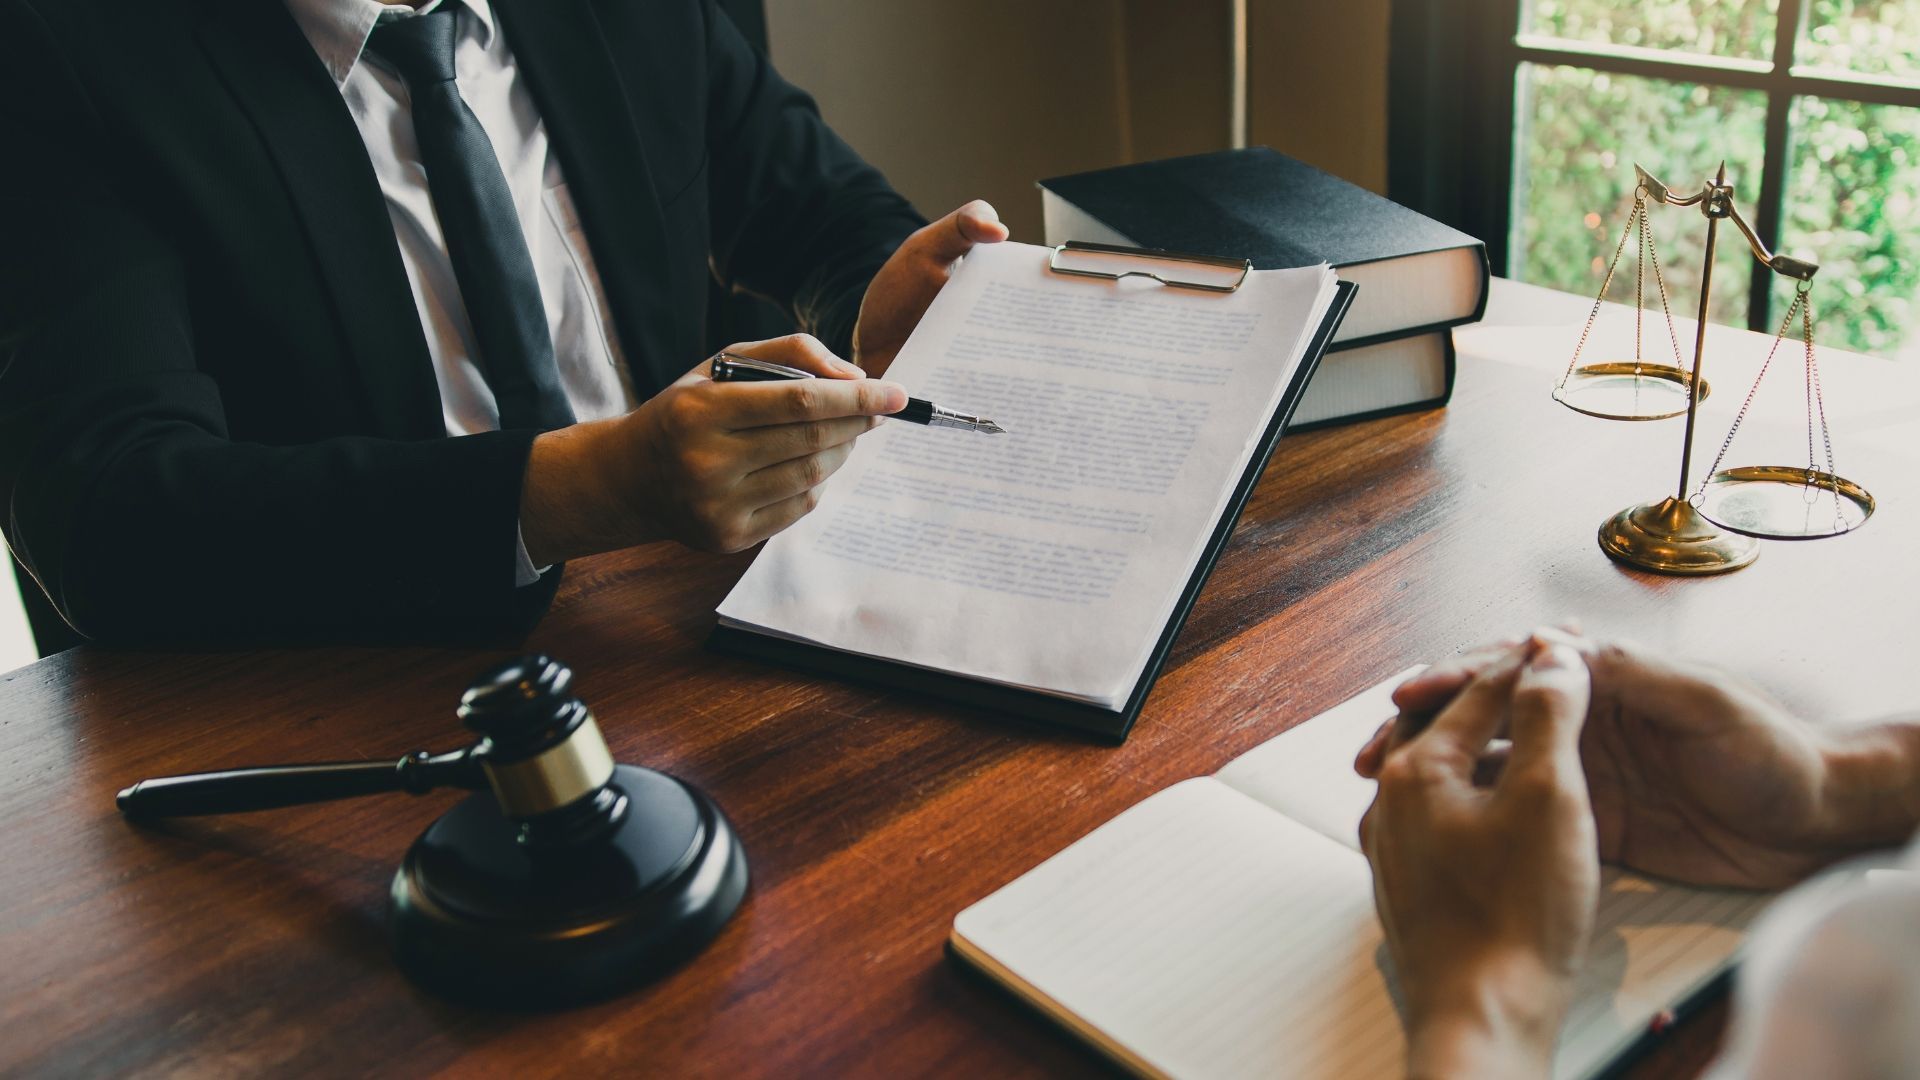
{"points": [[948, 418]]}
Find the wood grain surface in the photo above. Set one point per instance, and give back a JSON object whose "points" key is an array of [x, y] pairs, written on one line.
{"points": [[253, 944]]}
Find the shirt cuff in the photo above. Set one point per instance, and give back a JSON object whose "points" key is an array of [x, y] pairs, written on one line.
{"points": [[524, 573]]}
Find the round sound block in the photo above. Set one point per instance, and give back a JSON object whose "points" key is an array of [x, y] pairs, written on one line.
{"points": [[479, 917]]}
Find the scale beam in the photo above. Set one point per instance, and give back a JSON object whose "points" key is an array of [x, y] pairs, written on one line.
{"points": [[1719, 199]]}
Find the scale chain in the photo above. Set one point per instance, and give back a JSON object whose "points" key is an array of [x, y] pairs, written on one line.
{"points": [[1639, 208], [1807, 406], [1739, 418], [1639, 297], [1640, 221], [1660, 282], [1817, 399]]}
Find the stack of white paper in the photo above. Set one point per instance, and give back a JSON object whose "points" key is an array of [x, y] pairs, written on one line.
{"points": [[1052, 557]]}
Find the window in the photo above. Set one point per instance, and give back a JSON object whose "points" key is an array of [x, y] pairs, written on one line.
{"points": [[1813, 104]]}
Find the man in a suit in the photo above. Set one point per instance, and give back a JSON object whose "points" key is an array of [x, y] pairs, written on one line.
{"points": [[334, 320]]}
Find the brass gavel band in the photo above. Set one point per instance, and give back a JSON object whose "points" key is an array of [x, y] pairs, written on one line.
{"points": [[555, 777]]}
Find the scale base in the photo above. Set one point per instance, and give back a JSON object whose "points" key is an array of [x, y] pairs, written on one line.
{"points": [[481, 918], [1670, 537]]}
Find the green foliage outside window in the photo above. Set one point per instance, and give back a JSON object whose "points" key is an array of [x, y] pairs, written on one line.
{"points": [[1853, 206], [1853, 191], [1865, 37], [1581, 132], [1703, 27]]}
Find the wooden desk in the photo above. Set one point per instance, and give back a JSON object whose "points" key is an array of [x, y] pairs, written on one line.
{"points": [[254, 945]]}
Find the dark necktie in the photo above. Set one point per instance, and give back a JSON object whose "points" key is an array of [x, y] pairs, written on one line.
{"points": [[478, 220]]}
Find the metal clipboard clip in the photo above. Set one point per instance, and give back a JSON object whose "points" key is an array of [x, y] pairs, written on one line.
{"points": [[1108, 262]]}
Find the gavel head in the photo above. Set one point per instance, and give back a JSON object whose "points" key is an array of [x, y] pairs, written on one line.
{"points": [[576, 877], [544, 756]]}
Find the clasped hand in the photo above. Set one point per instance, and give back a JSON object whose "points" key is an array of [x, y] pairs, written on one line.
{"points": [[1486, 852], [1485, 868]]}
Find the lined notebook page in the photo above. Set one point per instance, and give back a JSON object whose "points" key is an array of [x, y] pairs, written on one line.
{"points": [[1203, 933], [1306, 772], [1209, 935]]}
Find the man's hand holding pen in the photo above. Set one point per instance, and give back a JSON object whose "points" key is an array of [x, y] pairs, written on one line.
{"points": [[733, 367], [722, 468], [716, 467]]}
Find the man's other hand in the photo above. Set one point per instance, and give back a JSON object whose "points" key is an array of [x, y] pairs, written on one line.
{"points": [[1487, 890], [716, 466], [900, 292]]}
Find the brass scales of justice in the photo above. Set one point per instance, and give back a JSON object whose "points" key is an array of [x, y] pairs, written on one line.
{"points": [[1716, 527]]}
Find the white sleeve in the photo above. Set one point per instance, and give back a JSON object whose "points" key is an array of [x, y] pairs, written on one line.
{"points": [[1830, 983]]}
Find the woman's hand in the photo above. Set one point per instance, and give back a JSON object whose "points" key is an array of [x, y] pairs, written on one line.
{"points": [[1700, 777], [1487, 893]]}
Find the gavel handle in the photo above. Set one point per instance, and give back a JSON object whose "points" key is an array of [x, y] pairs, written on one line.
{"points": [[234, 791]]}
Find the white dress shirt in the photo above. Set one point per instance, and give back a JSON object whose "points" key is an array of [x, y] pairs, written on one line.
{"points": [[592, 372]]}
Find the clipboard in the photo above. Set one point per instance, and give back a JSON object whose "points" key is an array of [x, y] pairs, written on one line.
{"points": [[1104, 262]]}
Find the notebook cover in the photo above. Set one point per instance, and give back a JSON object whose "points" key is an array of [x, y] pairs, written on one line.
{"points": [[1684, 1011], [1391, 410], [1260, 204], [1027, 704]]}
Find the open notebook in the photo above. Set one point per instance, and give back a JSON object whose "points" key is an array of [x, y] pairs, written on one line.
{"points": [[1225, 927], [1055, 560]]}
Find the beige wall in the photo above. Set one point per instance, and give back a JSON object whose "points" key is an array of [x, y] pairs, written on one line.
{"points": [[1178, 76], [1317, 84], [956, 99]]}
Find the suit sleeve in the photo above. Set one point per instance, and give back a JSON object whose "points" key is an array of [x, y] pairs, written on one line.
{"points": [[797, 216], [123, 494]]}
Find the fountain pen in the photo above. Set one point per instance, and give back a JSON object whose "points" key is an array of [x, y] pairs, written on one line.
{"points": [[732, 367]]}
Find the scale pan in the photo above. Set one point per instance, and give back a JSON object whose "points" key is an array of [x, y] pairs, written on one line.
{"points": [[1784, 502], [1625, 390]]}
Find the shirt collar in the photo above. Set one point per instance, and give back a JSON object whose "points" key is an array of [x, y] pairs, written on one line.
{"points": [[338, 29]]}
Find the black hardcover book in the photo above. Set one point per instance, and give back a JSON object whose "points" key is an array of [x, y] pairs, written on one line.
{"points": [[1415, 274]]}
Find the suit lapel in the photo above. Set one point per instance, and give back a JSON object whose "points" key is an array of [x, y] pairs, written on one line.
{"points": [[303, 120], [561, 50]]}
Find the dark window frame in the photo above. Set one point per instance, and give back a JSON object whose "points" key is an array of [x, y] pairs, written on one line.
{"points": [[1452, 112]]}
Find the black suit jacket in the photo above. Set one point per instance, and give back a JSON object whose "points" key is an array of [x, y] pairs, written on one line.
{"points": [[218, 417]]}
